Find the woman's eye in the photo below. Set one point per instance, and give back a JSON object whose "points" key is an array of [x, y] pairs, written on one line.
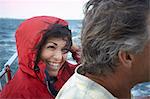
{"points": [[52, 47], [65, 51]]}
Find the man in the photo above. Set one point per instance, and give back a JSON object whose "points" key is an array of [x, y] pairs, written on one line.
{"points": [[115, 42]]}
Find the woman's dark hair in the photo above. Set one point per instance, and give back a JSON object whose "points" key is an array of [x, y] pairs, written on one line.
{"points": [[53, 31]]}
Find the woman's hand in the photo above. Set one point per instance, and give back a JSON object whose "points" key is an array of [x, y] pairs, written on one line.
{"points": [[74, 47]]}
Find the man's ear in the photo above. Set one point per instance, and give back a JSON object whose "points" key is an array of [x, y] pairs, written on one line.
{"points": [[125, 58]]}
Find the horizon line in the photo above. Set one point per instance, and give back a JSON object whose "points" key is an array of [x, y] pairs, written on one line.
{"points": [[31, 17]]}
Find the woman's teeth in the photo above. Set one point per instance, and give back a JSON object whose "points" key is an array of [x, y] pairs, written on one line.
{"points": [[54, 65]]}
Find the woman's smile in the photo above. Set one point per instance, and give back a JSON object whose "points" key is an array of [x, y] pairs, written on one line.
{"points": [[53, 66]]}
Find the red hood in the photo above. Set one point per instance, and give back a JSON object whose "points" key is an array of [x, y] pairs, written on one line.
{"points": [[28, 36]]}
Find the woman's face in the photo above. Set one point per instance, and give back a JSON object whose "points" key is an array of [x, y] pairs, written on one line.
{"points": [[54, 54]]}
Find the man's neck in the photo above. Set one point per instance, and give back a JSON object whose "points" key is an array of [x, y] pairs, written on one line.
{"points": [[117, 86]]}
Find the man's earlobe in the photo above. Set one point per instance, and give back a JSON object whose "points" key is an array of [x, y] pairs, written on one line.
{"points": [[125, 58]]}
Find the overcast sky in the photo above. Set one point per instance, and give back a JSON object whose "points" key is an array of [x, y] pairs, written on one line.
{"points": [[66, 9]]}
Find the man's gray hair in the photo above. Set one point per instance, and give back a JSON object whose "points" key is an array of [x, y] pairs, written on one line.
{"points": [[110, 26]]}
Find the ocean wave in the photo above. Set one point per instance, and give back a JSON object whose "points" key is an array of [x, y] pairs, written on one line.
{"points": [[8, 43]]}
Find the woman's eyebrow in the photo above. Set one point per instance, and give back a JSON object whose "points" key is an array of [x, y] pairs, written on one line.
{"points": [[52, 42]]}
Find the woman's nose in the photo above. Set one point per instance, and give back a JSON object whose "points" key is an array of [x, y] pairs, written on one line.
{"points": [[57, 55]]}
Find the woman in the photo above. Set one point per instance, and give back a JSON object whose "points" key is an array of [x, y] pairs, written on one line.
{"points": [[42, 44]]}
